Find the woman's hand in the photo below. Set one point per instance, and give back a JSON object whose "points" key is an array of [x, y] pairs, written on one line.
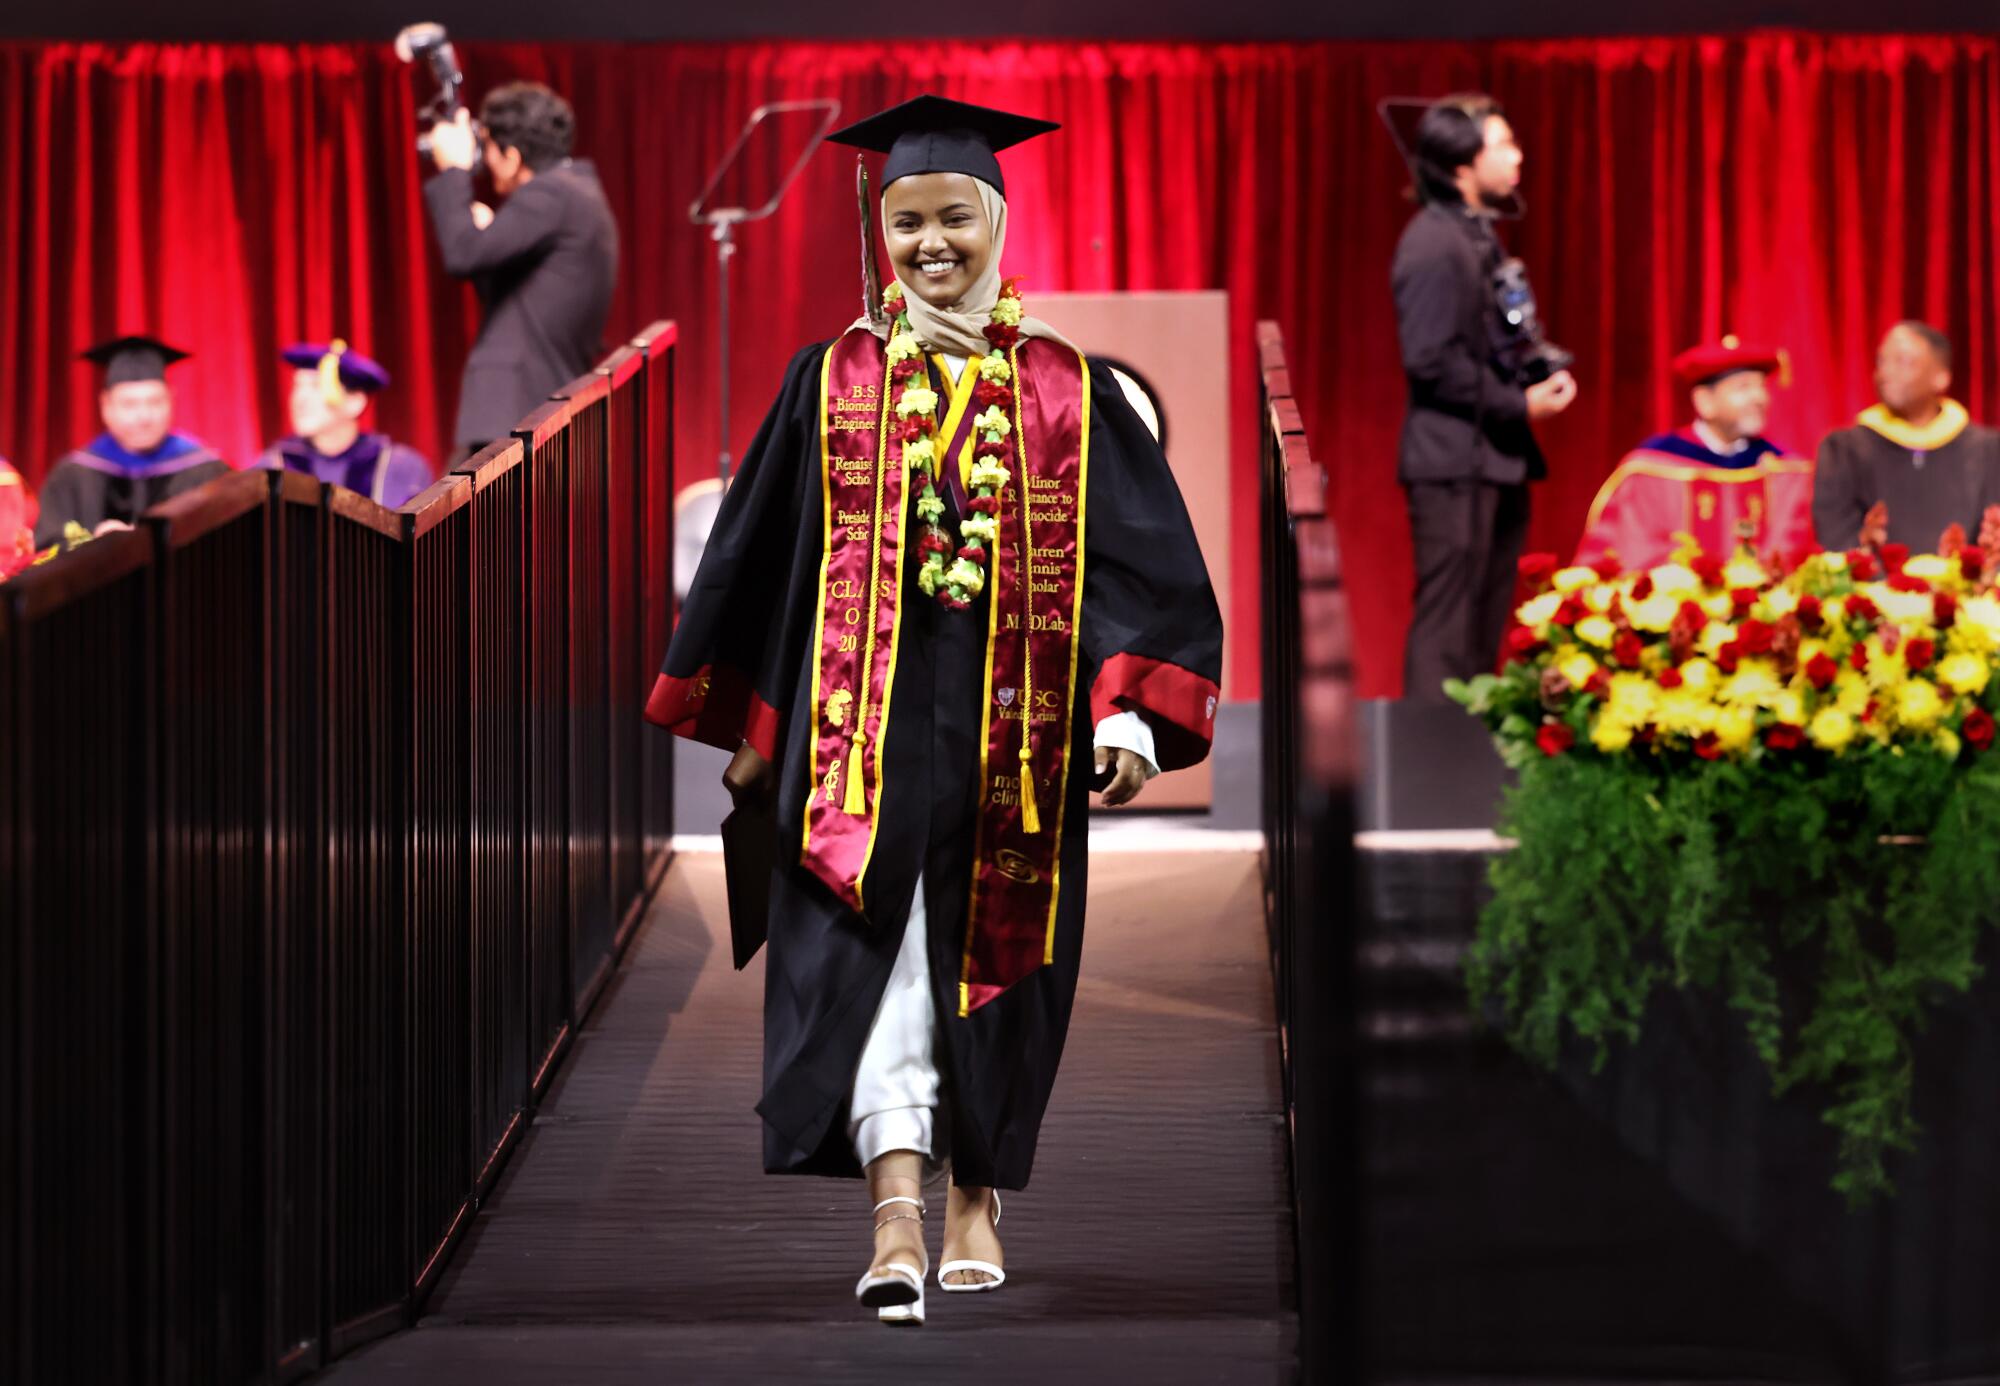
{"points": [[1129, 779], [748, 778]]}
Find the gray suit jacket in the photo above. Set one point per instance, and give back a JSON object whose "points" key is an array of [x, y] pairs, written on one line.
{"points": [[544, 270]]}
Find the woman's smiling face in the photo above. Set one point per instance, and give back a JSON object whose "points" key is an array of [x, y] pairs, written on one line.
{"points": [[939, 239]]}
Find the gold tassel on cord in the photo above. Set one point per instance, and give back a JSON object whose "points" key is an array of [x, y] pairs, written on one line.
{"points": [[1031, 817], [856, 801]]}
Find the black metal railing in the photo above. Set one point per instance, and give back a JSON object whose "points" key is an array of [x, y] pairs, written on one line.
{"points": [[321, 826], [1309, 867]]}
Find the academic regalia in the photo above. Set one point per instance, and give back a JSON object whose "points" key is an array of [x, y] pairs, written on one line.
{"points": [[762, 654], [1676, 484], [385, 471], [102, 481], [17, 522], [1929, 478]]}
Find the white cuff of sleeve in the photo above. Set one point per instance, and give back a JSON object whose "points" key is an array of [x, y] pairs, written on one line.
{"points": [[1128, 731]]}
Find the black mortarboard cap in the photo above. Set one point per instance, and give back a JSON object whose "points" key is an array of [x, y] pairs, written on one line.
{"points": [[126, 359], [933, 134]]}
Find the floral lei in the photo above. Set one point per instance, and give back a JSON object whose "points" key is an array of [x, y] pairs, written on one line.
{"points": [[954, 573]]}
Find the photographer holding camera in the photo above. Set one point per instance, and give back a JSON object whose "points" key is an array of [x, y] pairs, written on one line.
{"points": [[543, 262], [1479, 375]]}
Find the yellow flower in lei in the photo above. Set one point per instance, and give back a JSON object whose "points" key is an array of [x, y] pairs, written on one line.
{"points": [[1918, 705], [994, 370], [1596, 630], [1536, 611], [1655, 614], [993, 425], [1964, 674], [982, 529], [903, 346], [921, 452], [986, 472], [917, 400], [1007, 311], [1831, 729], [1569, 580]]}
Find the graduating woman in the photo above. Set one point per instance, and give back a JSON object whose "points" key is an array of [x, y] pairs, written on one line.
{"points": [[952, 572]]}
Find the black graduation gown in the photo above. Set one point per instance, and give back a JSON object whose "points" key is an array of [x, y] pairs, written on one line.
{"points": [[90, 490], [751, 609]]}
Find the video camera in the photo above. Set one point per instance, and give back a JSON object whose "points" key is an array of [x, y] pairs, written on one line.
{"points": [[1531, 356], [428, 43]]}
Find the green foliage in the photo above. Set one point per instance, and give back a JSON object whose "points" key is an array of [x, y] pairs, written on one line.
{"points": [[1828, 900]]}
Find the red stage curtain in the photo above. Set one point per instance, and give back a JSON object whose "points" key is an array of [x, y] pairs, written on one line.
{"points": [[1805, 190]]}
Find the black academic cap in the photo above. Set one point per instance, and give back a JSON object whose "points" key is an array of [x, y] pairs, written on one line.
{"points": [[126, 359], [933, 134]]}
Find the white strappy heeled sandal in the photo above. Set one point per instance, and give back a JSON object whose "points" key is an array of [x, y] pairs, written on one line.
{"points": [[985, 1267], [897, 1291]]}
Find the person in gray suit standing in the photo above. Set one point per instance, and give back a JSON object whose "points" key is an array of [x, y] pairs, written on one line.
{"points": [[543, 262], [1468, 452]]}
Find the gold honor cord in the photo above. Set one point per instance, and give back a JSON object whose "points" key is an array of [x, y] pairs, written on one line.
{"points": [[856, 800], [1031, 815]]}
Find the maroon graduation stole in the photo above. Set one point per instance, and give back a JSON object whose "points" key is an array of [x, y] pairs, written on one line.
{"points": [[1034, 605]]}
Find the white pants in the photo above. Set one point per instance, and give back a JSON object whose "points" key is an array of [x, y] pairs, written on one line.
{"points": [[896, 1085]]}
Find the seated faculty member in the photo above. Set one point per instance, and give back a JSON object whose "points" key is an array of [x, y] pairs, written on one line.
{"points": [[138, 461], [332, 387], [1917, 454], [1709, 478]]}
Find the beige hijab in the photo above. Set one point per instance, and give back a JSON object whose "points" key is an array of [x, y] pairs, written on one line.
{"points": [[959, 330]]}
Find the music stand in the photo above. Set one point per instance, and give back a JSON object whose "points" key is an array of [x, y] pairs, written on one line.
{"points": [[747, 186]]}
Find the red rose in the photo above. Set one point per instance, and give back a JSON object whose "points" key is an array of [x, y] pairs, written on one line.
{"points": [[1535, 570], [1743, 598], [1607, 567], [1598, 683], [1977, 729], [1868, 713], [1919, 653], [1570, 612], [1554, 738], [1627, 648], [1857, 658], [1691, 616], [1643, 588], [1726, 657], [1861, 564], [1708, 569], [1671, 678], [1903, 582], [1755, 637], [1820, 670], [1707, 747], [1971, 561], [1522, 642], [1783, 736], [1859, 608], [1809, 612], [1944, 609], [1894, 556]]}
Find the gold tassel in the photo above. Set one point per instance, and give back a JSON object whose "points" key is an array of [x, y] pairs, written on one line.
{"points": [[856, 801], [1031, 817]]}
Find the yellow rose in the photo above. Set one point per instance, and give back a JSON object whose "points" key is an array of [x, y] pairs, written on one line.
{"points": [[1718, 606], [1683, 713], [1655, 614], [1675, 580], [1744, 571], [1928, 566], [1735, 727], [1598, 596], [1906, 609], [1753, 685], [1831, 729], [1714, 636], [1537, 610], [1810, 646], [1577, 668], [1788, 707], [1982, 614], [1782, 601], [1700, 675], [1963, 673], [1596, 630], [1569, 580], [1850, 692], [1946, 740], [1632, 697], [1831, 561], [1918, 705], [1611, 734]]}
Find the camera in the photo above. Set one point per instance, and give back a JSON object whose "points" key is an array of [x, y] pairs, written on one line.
{"points": [[1524, 351], [429, 44]]}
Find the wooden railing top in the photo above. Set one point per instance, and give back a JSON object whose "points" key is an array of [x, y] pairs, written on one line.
{"points": [[544, 423], [585, 390], [622, 364], [183, 519], [432, 505], [660, 334], [492, 462]]}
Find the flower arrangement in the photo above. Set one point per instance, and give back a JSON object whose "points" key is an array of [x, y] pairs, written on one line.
{"points": [[1771, 781]]}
